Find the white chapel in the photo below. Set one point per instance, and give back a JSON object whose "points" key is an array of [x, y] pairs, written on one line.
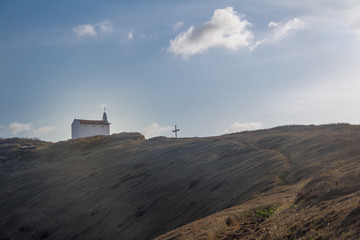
{"points": [[85, 128]]}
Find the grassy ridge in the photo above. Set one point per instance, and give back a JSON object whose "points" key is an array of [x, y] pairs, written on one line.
{"points": [[125, 187], [317, 198]]}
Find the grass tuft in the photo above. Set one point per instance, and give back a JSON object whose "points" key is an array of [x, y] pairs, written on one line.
{"points": [[261, 212]]}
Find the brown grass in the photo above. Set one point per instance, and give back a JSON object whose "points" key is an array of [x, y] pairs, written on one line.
{"points": [[125, 187]]}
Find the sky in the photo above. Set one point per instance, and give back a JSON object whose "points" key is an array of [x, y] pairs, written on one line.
{"points": [[210, 67]]}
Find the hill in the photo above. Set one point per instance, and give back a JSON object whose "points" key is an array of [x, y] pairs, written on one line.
{"points": [[287, 182]]}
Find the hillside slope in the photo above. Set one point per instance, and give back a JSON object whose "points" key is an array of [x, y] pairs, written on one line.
{"points": [[125, 187], [318, 198]]}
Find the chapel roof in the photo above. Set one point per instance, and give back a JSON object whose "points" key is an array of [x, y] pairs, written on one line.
{"points": [[93, 122]]}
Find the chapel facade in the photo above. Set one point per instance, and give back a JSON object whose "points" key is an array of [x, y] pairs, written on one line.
{"points": [[85, 128]]}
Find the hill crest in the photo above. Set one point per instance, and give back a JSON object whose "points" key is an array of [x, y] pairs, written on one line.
{"points": [[124, 186]]}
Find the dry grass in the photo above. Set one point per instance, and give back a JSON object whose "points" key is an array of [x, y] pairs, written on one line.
{"points": [[323, 179], [333, 218], [126, 187]]}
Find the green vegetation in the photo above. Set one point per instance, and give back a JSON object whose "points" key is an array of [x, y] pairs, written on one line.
{"points": [[261, 212]]}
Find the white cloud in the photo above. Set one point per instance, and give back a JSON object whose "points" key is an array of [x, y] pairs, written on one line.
{"points": [[42, 131], [154, 130], [16, 127], [273, 24], [282, 30], [27, 130], [105, 26], [323, 13], [176, 27], [130, 36], [226, 29], [83, 30], [239, 127], [256, 44]]}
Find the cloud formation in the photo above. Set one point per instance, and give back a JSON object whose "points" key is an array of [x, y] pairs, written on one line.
{"points": [[282, 30], [226, 29], [42, 131], [103, 27], [176, 27], [26, 129], [230, 30], [83, 30], [16, 127], [239, 127], [154, 130], [130, 36]]}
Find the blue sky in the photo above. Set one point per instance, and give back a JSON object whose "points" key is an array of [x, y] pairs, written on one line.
{"points": [[211, 67]]}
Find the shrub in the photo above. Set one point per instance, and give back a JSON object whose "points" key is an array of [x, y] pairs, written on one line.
{"points": [[261, 212]]}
